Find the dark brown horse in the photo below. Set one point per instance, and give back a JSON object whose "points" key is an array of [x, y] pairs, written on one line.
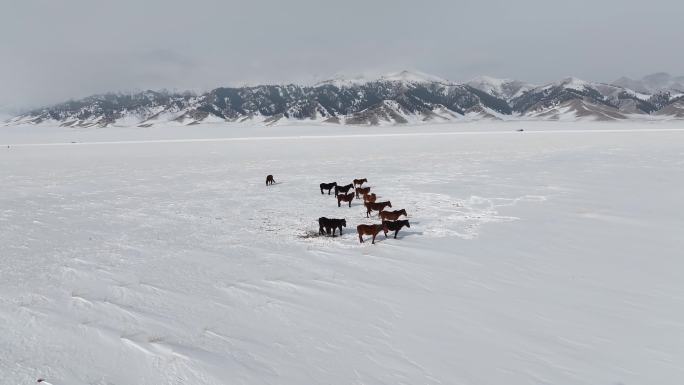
{"points": [[345, 198], [330, 224], [270, 180], [378, 206], [328, 186], [343, 189], [372, 230], [395, 226], [370, 198], [392, 215], [359, 182], [361, 191]]}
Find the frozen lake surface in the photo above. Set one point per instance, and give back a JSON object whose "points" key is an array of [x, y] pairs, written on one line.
{"points": [[150, 256]]}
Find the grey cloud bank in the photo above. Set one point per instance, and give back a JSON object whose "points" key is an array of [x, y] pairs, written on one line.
{"points": [[54, 50]]}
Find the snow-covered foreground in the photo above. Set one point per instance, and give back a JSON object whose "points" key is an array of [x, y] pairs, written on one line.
{"points": [[532, 258]]}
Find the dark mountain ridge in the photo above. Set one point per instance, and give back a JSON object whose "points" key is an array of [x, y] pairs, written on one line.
{"points": [[400, 98]]}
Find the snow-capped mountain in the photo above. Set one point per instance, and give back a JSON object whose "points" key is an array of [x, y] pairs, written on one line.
{"points": [[653, 83], [505, 89], [398, 98], [576, 98], [416, 77]]}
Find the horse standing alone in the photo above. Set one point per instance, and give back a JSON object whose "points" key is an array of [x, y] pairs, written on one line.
{"points": [[328, 186], [270, 180]]}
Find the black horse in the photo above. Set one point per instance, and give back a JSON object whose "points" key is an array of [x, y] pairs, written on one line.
{"points": [[395, 226], [330, 224], [343, 189], [328, 186]]}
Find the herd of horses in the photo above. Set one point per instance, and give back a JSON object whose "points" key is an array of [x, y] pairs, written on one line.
{"points": [[389, 219]]}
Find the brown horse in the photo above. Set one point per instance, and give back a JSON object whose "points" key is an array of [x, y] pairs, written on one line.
{"points": [[395, 226], [330, 224], [359, 182], [378, 206], [371, 198], [360, 191], [345, 198], [392, 215], [270, 180], [372, 230]]}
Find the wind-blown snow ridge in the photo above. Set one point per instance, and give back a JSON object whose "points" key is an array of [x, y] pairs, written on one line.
{"points": [[654, 83], [345, 81], [574, 83], [413, 77], [506, 89], [404, 76]]}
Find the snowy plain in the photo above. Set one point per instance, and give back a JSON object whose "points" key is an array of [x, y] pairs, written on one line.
{"points": [[158, 256]]}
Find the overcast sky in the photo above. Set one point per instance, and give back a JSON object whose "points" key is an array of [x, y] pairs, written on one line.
{"points": [[52, 50]]}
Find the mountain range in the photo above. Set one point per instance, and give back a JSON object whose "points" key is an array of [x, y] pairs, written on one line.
{"points": [[403, 97]]}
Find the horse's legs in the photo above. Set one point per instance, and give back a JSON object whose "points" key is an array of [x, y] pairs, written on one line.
{"points": [[338, 203], [340, 230], [320, 230], [349, 204], [395, 234], [374, 238], [360, 238]]}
